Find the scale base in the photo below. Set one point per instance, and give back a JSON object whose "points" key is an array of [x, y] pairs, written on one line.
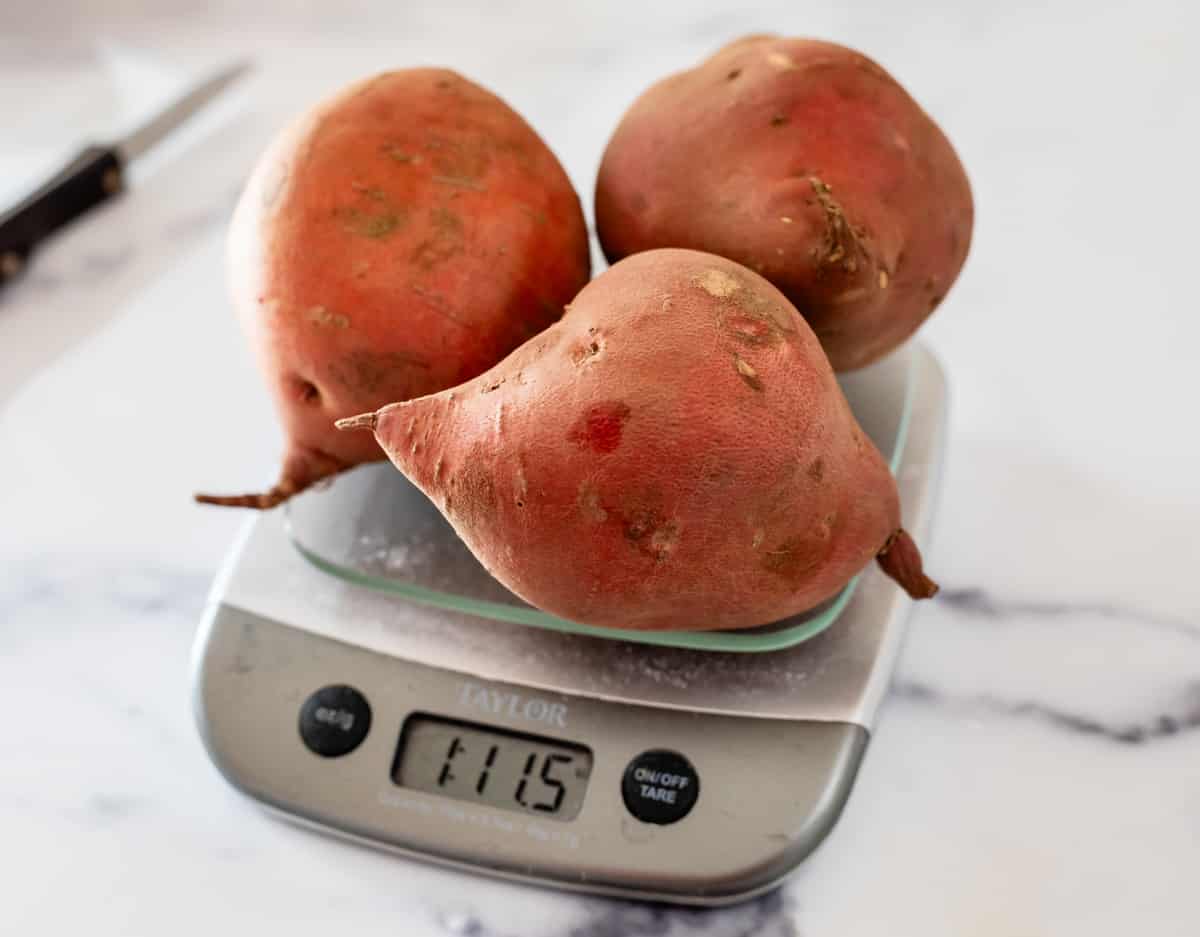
{"points": [[256, 675]]}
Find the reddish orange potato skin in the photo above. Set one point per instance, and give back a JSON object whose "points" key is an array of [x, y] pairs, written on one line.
{"points": [[807, 162], [675, 453], [401, 238]]}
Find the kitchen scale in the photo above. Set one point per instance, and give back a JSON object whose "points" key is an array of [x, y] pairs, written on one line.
{"points": [[359, 672]]}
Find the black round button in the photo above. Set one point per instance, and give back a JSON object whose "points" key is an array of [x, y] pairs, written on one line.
{"points": [[334, 720], [660, 786]]}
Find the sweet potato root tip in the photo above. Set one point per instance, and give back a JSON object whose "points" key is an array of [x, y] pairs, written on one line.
{"points": [[901, 560], [302, 469], [262, 501], [361, 421]]}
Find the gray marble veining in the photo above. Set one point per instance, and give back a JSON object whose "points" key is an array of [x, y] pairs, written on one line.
{"points": [[1182, 716], [980, 603]]}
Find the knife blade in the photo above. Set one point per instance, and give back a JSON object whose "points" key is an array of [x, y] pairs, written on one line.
{"points": [[95, 175]]}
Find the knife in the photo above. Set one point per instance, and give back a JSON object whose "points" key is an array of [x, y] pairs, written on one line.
{"points": [[94, 176]]}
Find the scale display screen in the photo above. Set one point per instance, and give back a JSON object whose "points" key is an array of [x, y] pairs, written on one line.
{"points": [[480, 764]]}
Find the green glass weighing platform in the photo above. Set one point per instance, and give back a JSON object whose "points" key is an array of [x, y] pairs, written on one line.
{"points": [[372, 528]]}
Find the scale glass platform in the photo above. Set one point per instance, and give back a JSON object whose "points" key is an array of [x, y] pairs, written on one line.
{"points": [[359, 671]]}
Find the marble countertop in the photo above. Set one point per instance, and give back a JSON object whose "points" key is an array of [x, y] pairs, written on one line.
{"points": [[1037, 766]]}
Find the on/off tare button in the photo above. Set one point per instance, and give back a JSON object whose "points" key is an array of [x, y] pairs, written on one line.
{"points": [[334, 720], [660, 786]]}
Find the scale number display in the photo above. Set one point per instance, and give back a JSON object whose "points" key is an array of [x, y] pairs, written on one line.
{"points": [[510, 770]]}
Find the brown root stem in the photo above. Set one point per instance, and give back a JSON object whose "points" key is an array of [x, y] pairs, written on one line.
{"points": [[362, 421], [302, 469], [901, 560], [262, 501]]}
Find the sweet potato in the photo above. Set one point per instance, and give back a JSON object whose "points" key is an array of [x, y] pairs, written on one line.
{"points": [[675, 453], [400, 238], [807, 162]]}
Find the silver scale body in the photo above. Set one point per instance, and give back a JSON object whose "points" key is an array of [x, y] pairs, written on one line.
{"points": [[776, 738]]}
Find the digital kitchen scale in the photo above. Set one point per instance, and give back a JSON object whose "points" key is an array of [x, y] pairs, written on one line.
{"points": [[359, 672]]}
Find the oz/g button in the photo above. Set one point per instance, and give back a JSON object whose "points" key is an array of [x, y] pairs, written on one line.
{"points": [[334, 720], [660, 786]]}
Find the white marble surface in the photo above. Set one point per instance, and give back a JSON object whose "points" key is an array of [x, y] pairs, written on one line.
{"points": [[1037, 767]]}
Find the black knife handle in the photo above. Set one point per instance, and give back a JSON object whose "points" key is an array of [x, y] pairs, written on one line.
{"points": [[92, 177]]}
